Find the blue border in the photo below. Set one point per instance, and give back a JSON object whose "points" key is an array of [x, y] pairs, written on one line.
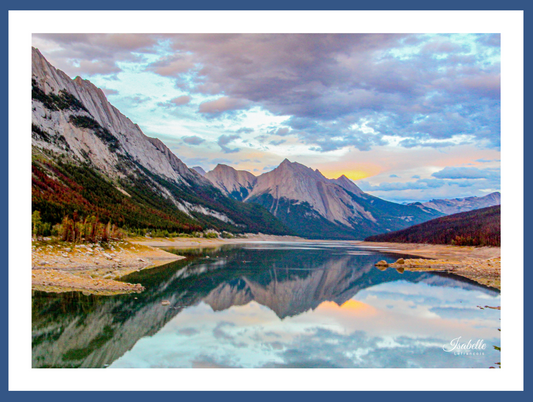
{"points": [[246, 5]]}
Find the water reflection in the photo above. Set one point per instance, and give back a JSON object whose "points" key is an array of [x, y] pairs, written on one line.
{"points": [[270, 305]]}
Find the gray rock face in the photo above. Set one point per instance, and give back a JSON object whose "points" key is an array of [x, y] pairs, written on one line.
{"points": [[349, 185], [454, 206], [130, 141], [74, 118], [294, 181], [237, 183]]}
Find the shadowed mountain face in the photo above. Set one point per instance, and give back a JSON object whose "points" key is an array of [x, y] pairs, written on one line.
{"points": [[73, 330]]}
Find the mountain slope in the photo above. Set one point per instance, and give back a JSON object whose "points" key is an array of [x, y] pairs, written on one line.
{"points": [[480, 227], [317, 207], [456, 205], [90, 158]]}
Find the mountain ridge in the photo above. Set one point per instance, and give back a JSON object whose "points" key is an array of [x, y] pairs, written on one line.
{"points": [[308, 202], [456, 205], [91, 159]]}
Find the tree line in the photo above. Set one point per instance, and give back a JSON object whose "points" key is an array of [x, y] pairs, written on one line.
{"points": [[76, 229]]}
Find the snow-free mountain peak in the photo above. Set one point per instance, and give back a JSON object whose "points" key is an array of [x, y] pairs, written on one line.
{"points": [[235, 183], [347, 184], [117, 136], [309, 203]]}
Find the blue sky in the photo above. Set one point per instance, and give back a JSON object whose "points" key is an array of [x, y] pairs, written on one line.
{"points": [[408, 117]]}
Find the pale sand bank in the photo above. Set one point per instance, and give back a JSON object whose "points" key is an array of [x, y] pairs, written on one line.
{"points": [[91, 268], [186, 242], [480, 264], [437, 251]]}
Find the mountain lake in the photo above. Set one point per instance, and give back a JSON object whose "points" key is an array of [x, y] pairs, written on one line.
{"points": [[273, 304]]}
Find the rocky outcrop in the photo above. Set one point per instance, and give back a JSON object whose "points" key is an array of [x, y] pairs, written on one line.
{"points": [[483, 271], [349, 185]]}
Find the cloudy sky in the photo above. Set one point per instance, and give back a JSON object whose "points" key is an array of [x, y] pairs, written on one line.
{"points": [[408, 117]]}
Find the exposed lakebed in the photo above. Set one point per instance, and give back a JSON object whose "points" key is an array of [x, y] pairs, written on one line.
{"points": [[272, 304]]}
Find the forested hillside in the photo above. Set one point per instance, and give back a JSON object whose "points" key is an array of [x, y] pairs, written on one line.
{"points": [[480, 227]]}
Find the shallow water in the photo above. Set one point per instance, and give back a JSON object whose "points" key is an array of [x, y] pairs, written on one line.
{"points": [[272, 304]]}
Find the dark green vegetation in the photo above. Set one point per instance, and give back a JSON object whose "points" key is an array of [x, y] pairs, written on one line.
{"points": [[101, 132], [62, 188], [51, 101], [304, 220], [239, 195], [480, 227]]}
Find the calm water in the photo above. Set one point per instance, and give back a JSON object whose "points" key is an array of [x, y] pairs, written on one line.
{"points": [[272, 305]]}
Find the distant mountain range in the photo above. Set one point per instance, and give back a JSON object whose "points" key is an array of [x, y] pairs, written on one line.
{"points": [[453, 206], [90, 159], [480, 227]]}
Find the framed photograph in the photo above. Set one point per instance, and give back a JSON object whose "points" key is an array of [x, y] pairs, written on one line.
{"points": [[266, 190]]}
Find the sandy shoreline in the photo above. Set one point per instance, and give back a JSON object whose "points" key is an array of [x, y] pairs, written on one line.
{"points": [[436, 251], [480, 264], [94, 269], [185, 242]]}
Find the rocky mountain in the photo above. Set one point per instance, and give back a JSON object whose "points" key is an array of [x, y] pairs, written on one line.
{"points": [[199, 170], [90, 158], [456, 205], [317, 207], [235, 183]]}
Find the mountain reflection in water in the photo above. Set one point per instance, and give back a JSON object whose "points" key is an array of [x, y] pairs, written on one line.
{"points": [[270, 305]]}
